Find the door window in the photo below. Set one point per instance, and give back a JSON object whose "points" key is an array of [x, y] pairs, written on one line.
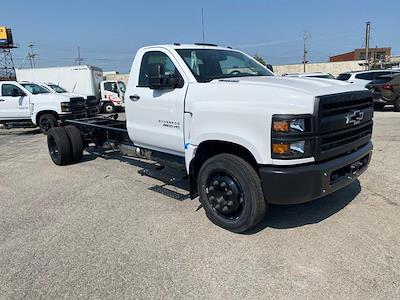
{"points": [[365, 76], [377, 74], [154, 58], [111, 87], [6, 90]]}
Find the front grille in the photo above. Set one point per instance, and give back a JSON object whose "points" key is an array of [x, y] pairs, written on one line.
{"points": [[344, 123], [77, 104], [92, 101], [337, 108], [342, 138]]}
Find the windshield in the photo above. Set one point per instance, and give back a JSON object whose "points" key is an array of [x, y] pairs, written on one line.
{"points": [[327, 76], [209, 64], [57, 88], [34, 88], [121, 86]]}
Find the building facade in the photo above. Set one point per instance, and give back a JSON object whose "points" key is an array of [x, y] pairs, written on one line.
{"points": [[374, 54]]}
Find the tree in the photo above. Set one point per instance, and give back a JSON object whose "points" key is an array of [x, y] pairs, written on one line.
{"points": [[259, 59]]}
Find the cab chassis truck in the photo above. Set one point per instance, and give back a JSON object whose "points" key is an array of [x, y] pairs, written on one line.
{"points": [[245, 137]]}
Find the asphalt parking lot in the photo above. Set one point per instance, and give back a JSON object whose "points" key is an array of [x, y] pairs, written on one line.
{"points": [[98, 229]]}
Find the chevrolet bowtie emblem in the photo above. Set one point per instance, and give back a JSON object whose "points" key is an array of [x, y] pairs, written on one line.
{"points": [[354, 117]]}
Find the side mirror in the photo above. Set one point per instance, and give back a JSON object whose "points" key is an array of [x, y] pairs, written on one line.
{"points": [[16, 93], [159, 81], [270, 67]]}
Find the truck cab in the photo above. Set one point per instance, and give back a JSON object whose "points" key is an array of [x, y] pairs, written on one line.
{"points": [[245, 137], [26, 104], [112, 95]]}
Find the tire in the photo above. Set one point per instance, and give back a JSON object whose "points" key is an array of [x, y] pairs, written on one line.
{"points": [[396, 104], [108, 108], [75, 139], [46, 122], [59, 146], [231, 193], [379, 106]]}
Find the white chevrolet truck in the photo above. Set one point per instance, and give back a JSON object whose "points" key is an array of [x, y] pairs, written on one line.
{"points": [[245, 137], [26, 104]]}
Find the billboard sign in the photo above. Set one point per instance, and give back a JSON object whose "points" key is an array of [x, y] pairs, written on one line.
{"points": [[5, 36]]}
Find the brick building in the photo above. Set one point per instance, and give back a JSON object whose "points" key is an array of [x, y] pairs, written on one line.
{"points": [[375, 54]]}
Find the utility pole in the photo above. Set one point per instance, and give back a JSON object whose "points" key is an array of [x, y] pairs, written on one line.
{"points": [[367, 37], [202, 22], [306, 36], [78, 60], [31, 55]]}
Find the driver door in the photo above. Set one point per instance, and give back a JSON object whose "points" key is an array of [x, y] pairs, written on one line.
{"points": [[14, 103], [156, 115]]}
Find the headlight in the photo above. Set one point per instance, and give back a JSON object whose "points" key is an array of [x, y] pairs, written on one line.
{"points": [[65, 106], [291, 136], [287, 125]]}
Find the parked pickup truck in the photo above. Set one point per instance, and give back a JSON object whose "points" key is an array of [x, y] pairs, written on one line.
{"points": [[26, 104], [245, 137], [91, 103]]}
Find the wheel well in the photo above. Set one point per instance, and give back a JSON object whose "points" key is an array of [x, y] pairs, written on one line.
{"points": [[208, 149], [41, 113]]}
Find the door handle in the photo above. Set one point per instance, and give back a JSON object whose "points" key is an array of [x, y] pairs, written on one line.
{"points": [[2, 100], [134, 97]]}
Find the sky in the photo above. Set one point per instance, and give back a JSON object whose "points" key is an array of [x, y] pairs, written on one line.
{"points": [[110, 32]]}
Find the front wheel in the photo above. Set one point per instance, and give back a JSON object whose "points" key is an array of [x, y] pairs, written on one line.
{"points": [[231, 193], [108, 108], [396, 105], [46, 122], [379, 105]]}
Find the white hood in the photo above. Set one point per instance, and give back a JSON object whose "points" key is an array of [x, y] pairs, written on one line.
{"points": [[309, 86]]}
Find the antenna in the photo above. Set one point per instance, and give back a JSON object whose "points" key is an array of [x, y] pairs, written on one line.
{"points": [[202, 22]]}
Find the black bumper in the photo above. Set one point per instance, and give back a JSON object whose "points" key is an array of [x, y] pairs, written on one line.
{"points": [[298, 184]]}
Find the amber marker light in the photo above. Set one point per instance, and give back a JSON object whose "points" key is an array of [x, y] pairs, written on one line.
{"points": [[280, 126], [280, 149]]}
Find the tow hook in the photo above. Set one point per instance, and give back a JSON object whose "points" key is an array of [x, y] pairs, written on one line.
{"points": [[355, 167]]}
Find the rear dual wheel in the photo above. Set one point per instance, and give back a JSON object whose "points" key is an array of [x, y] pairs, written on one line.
{"points": [[65, 145], [231, 193]]}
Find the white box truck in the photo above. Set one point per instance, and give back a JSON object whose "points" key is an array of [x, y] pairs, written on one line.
{"points": [[83, 79]]}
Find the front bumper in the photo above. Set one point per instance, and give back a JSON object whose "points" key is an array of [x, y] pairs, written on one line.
{"points": [[298, 184]]}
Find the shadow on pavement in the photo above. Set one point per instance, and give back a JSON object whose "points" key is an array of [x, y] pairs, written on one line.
{"points": [[278, 216], [174, 183], [297, 215], [20, 131]]}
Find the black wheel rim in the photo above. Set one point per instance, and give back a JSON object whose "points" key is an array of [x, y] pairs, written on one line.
{"points": [[45, 124], [225, 195], [53, 149]]}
